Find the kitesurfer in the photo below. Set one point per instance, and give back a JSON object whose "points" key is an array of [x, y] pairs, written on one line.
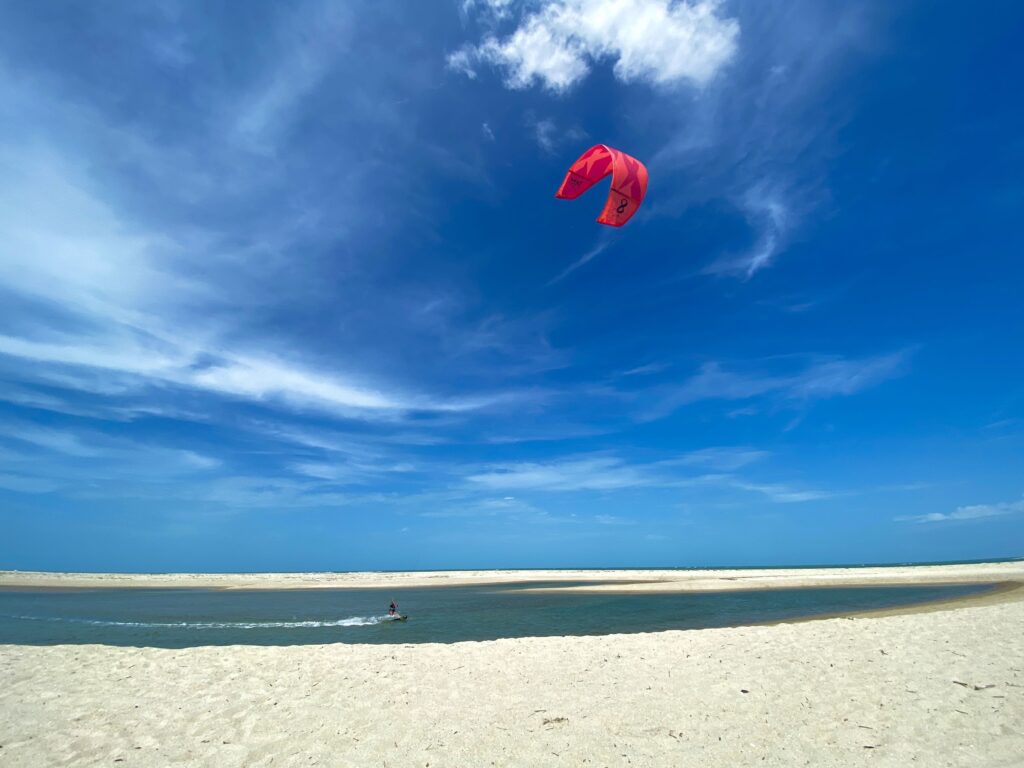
{"points": [[393, 608]]}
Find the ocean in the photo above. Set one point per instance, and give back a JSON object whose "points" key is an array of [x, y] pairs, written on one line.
{"points": [[180, 618]]}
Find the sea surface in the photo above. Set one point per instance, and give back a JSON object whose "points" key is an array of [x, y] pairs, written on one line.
{"points": [[180, 618]]}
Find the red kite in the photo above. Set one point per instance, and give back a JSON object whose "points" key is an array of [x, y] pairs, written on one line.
{"points": [[629, 182]]}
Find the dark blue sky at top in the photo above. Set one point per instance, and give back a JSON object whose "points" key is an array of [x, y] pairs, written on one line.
{"points": [[286, 286]]}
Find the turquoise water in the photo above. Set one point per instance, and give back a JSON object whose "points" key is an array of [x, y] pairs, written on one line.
{"points": [[179, 618]]}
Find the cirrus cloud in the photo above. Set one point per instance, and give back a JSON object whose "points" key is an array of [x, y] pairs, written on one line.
{"points": [[969, 512]]}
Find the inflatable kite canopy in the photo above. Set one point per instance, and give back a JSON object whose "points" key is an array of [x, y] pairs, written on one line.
{"points": [[629, 182]]}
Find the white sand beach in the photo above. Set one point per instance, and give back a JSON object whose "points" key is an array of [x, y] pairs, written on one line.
{"points": [[939, 687], [645, 580]]}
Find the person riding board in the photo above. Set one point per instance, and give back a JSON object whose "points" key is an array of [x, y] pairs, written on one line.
{"points": [[393, 608]]}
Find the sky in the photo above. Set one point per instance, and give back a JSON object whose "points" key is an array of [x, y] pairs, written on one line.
{"points": [[285, 286]]}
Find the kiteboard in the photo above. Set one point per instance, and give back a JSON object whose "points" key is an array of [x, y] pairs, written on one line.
{"points": [[396, 618]]}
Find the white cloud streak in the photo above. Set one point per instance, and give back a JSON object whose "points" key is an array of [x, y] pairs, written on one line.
{"points": [[228, 375], [971, 512], [647, 369], [544, 132], [586, 258], [764, 140], [781, 493], [25, 484], [654, 41], [770, 216], [584, 474], [117, 288], [610, 473], [311, 44], [550, 136], [721, 459], [57, 440], [820, 380]]}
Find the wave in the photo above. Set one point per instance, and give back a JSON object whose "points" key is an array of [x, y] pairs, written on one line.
{"points": [[351, 621]]}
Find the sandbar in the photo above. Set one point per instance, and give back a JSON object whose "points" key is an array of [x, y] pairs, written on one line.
{"points": [[632, 580]]}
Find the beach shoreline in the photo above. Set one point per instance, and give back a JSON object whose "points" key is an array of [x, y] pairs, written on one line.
{"points": [[998, 594], [944, 687], [933, 683], [606, 580]]}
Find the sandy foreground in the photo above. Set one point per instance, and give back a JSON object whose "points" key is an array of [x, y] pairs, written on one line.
{"points": [[937, 688]]}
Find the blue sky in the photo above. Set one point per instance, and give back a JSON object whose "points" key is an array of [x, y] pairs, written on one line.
{"points": [[286, 287]]}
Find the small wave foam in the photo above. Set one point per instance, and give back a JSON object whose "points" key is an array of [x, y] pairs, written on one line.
{"points": [[351, 621]]}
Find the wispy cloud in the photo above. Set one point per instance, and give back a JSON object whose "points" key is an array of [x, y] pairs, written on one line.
{"points": [[496, 9], [156, 275], [344, 473], [613, 520], [550, 136], [722, 459], [83, 462], [310, 43], [647, 369], [597, 473], [819, 380], [119, 307], [782, 493], [221, 373], [606, 473], [261, 379], [462, 61], [740, 145], [58, 440], [602, 245], [770, 217], [506, 509], [544, 131], [249, 492], [26, 484], [199, 461], [654, 41], [117, 287], [971, 512]]}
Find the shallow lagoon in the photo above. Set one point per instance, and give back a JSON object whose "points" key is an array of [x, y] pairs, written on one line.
{"points": [[179, 618]]}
